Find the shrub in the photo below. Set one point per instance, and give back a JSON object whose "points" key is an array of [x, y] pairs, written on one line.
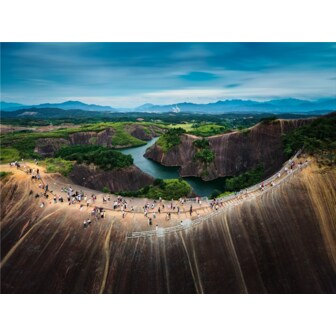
{"points": [[268, 120], [9, 155], [167, 189], [205, 155], [58, 165], [201, 143], [245, 180], [105, 158], [170, 139], [316, 137], [106, 190], [215, 194]]}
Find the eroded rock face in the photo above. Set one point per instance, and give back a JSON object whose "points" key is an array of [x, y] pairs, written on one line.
{"points": [[49, 146], [281, 242], [125, 179], [235, 152], [143, 133]]}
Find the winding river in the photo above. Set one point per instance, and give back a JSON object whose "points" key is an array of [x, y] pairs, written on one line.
{"points": [[201, 188]]}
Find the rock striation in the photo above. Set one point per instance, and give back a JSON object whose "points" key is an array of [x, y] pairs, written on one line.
{"points": [[284, 241], [120, 179], [235, 152]]}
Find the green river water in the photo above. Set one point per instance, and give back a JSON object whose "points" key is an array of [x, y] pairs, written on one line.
{"points": [[201, 188]]}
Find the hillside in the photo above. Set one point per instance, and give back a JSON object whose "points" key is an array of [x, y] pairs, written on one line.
{"points": [[31, 144], [232, 153], [67, 105], [281, 241]]}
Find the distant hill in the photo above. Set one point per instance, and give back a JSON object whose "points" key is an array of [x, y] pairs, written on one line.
{"points": [[68, 105], [276, 106], [289, 105], [9, 106], [53, 113]]}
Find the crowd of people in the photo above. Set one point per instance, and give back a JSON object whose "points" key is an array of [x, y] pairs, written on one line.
{"points": [[151, 210]]}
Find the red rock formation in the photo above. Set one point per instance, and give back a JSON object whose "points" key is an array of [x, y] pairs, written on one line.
{"points": [[125, 179], [143, 133], [281, 242], [235, 152]]}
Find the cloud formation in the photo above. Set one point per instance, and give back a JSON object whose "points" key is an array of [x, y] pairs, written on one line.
{"points": [[129, 74]]}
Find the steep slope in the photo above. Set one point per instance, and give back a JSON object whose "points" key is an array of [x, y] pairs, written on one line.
{"points": [[123, 179], [283, 241], [235, 152]]}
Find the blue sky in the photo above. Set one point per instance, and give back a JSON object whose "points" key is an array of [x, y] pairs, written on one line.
{"points": [[131, 74]]}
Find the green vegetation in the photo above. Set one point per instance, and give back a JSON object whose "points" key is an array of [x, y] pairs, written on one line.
{"points": [[245, 131], [9, 155], [225, 193], [202, 128], [206, 129], [201, 143], [120, 138], [205, 155], [25, 142], [105, 158], [167, 189], [188, 127], [245, 180], [58, 165], [203, 152], [106, 190], [170, 139], [317, 137], [4, 174], [269, 120]]}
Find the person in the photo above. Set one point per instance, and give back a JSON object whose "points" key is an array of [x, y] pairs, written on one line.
{"points": [[46, 187], [190, 210], [149, 221], [85, 224]]}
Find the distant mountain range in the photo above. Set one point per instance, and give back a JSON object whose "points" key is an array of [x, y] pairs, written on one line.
{"points": [[242, 106], [289, 105], [68, 105]]}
